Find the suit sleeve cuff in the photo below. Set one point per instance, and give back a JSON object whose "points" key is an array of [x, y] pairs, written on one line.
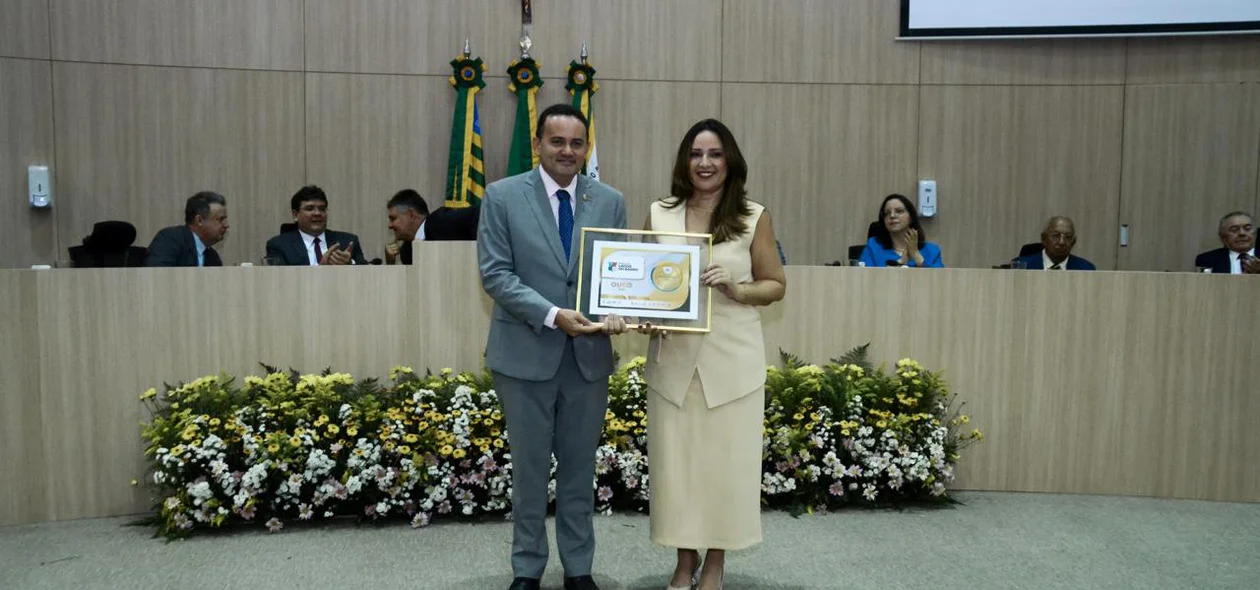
{"points": [[550, 322]]}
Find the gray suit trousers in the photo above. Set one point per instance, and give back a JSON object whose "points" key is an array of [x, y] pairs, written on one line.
{"points": [[565, 416]]}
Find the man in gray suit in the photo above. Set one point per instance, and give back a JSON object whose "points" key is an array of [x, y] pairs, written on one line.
{"points": [[550, 363]]}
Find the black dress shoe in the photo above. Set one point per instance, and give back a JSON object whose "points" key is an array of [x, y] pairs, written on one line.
{"points": [[524, 584], [580, 583]]}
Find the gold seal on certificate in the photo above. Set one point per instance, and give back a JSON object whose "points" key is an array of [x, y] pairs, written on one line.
{"points": [[645, 276]]}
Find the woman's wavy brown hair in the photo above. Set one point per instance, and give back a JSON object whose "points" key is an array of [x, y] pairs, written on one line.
{"points": [[728, 220]]}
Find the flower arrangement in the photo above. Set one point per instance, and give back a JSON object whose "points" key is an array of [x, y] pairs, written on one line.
{"points": [[289, 447]]}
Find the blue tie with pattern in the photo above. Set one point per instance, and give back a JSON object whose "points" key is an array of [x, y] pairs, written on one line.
{"points": [[566, 222]]}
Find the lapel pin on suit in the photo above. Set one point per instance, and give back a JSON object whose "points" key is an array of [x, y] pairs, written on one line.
{"points": [[586, 197]]}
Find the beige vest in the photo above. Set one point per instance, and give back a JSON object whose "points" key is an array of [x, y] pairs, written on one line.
{"points": [[731, 358]]}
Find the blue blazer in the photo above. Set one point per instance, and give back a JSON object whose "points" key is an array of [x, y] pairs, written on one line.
{"points": [[1034, 262], [878, 256]]}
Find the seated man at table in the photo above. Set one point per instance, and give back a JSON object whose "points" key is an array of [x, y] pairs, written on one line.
{"points": [[408, 215], [313, 244], [192, 244], [1238, 234], [1057, 241]]}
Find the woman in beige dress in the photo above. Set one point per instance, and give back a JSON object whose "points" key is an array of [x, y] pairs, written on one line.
{"points": [[706, 392]]}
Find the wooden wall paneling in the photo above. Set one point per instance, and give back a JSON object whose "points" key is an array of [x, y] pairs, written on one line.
{"points": [[408, 36], [256, 34], [1195, 60], [26, 123], [24, 28], [679, 41], [1190, 155], [816, 41], [22, 461], [1024, 61], [1006, 158], [821, 157], [135, 142]]}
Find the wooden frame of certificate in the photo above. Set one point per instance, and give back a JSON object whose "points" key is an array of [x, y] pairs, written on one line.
{"points": [[646, 277]]}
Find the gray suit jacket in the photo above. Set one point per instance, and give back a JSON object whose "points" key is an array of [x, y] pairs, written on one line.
{"points": [[523, 269]]}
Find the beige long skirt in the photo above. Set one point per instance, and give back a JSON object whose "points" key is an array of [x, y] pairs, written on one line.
{"points": [[705, 468]]}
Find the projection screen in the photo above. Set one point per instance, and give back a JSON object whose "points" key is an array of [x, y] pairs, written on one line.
{"points": [[952, 19]]}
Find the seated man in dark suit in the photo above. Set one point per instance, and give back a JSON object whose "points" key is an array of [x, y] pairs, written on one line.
{"points": [[408, 214], [313, 244], [411, 221], [192, 244], [1057, 241], [1238, 234]]}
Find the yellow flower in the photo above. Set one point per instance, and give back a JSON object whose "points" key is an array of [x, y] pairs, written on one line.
{"points": [[964, 419], [423, 426], [488, 422], [496, 415], [411, 438], [196, 443], [389, 445], [976, 434], [844, 432], [447, 371], [798, 416], [446, 450], [135, 483], [321, 420], [295, 442], [498, 443], [458, 454], [495, 432], [149, 393], [881, 424], [215, 422], [333, 429], [609, 415], [485, 448], [404, 450], [273, 448], [299, 432], [351, 431]]}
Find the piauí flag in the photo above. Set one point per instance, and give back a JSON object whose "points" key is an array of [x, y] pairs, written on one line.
{"points": [[582, 86], [466, 168], [524, 81]]}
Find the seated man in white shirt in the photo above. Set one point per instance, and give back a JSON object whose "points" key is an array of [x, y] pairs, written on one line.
{"points": [[1237, 231], [313, 244]]}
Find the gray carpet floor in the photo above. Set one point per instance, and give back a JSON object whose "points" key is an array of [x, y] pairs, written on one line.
{"points": [[993, 540]]}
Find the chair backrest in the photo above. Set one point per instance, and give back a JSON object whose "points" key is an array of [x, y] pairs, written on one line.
{"points": [[288, 227], [131, 256], [855, 252], [1030, 249]]}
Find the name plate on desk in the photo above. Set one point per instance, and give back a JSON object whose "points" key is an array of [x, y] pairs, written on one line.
{"points": [[646, 277]]}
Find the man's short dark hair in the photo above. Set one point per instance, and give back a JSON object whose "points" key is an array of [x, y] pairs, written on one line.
{"points": [[408, 199], [199, 204], [307, 193], [561, 110]]}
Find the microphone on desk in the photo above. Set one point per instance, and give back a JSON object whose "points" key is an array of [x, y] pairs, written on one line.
{"points": [[376, 261]]}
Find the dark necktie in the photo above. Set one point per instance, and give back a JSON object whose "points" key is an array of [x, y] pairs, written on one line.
{"points": [[566, 222], [1058, 266], [211, 258], [319, 254]]}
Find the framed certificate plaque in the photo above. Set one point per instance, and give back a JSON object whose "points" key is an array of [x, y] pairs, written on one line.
{"points": [[645, 277]]}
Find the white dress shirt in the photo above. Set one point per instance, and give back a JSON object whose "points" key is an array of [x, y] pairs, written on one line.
{"points": [[309, 240], [552, 187], [1046, 263], [420, 232], [1235, 261]]}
